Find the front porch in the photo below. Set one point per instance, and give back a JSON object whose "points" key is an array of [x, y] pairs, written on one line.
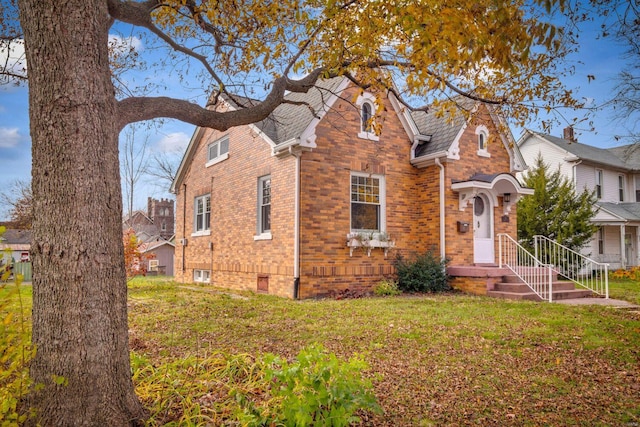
{"points": [[552, 274], [498, 282]]}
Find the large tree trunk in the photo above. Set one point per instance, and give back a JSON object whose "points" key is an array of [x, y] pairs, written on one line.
{"points": [[79, 285]]}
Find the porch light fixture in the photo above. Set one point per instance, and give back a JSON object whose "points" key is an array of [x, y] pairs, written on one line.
{"points": [[506, 197]]}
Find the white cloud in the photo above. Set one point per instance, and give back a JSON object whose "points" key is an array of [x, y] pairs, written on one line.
{"points": [[175, 142], [121, 45], [9, 137], [12, 58]]}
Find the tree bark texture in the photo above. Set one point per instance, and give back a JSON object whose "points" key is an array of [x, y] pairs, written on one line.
{"points": [[79, 284]]}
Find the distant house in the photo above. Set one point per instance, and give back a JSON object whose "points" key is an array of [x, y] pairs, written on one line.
{"points": [[157, 222], [162, 262], [312, 201], [155, 229], [18, 242], [614, 175]]}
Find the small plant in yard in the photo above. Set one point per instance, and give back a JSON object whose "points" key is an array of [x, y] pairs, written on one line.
{"points": [[15, 352], [316, 389], [422, 273], [386, 287]]}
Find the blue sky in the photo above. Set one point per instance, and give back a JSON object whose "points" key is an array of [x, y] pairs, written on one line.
{"points": [[600, 58]]}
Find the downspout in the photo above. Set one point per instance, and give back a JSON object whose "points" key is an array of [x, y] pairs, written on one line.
{"points": [[442, 205], [184, 227], [296, 227], [575, 174]]}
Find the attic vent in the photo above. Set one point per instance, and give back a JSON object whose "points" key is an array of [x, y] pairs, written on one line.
{"points": [[568, 134]]}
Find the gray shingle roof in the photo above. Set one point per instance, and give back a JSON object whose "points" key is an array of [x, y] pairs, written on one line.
{"points": [[442, 131], [628, 211], [587, 152], [629, 154], [289, 120], [14, 236]]}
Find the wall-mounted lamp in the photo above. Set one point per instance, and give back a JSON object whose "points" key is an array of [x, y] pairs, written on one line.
{"points": [[506, 197]]}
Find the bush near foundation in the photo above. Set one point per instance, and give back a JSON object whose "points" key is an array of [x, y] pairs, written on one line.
{"points": [[422, 273]]}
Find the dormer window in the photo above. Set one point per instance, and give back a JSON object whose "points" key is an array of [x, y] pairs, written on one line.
{"points": [[218, 151], [367, 115], [366, 104], [482, 133]]}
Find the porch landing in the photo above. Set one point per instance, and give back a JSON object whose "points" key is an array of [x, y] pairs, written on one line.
{"points": [[497, 282]]}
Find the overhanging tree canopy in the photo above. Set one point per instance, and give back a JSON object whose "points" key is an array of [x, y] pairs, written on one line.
{"points": [[497, 51]]}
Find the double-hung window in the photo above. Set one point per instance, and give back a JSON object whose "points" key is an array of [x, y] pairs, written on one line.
{"points": [[202, 220], [367, 202], [264, 206], [599, 180], [600, 241], [621, 185], [218, 150]]}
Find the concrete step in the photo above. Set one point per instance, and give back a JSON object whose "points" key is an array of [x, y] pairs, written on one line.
{"points": [[570, 294], [528, 296], [512, 278], [523, 288]]}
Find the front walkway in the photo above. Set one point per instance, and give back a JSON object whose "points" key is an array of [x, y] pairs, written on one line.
{"points": [[616, 303]]}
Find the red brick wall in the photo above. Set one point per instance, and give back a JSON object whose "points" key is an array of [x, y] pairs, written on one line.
{"points": [[459, 246], [236, 259], [411, 221]]}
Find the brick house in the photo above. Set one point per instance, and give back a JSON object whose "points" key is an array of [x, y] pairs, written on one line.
{"points": [[312, 201]]}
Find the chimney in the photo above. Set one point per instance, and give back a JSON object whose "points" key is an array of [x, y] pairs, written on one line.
{"points": [[568, 134]]}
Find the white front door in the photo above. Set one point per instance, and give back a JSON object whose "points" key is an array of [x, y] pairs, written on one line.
{"points": [[483, 251]]}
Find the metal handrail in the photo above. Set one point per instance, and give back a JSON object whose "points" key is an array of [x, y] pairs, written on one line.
{"points": [[535, 274], [573, 265]]}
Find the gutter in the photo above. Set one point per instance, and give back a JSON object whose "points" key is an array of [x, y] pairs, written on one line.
{"points": [[426, 160], [442, 210]]}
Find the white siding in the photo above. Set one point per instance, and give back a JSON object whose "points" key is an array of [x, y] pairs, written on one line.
{"points": [[552, 155], [585, 177]]}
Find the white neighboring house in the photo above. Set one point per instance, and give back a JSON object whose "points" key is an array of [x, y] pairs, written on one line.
{"points": [[614, 174]]}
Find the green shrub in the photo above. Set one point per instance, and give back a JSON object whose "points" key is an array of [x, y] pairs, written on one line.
{"points": [[386, 287], [422, 273], [316, 389]]}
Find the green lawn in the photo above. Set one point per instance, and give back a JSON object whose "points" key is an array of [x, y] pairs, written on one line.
{"points": [[434, 360], [625, 289]]}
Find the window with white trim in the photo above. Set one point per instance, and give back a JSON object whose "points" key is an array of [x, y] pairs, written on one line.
{"points": [[637, 180], [482, 133], [366, 104], [598, 188], [203, 276], [367, 202], [153, 264], [202, 214], [600, 241], [367, 116], [621, 182], [218, 150], [264, 205]]}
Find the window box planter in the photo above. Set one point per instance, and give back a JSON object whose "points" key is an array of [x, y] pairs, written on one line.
{"points": [[369, 241]]}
